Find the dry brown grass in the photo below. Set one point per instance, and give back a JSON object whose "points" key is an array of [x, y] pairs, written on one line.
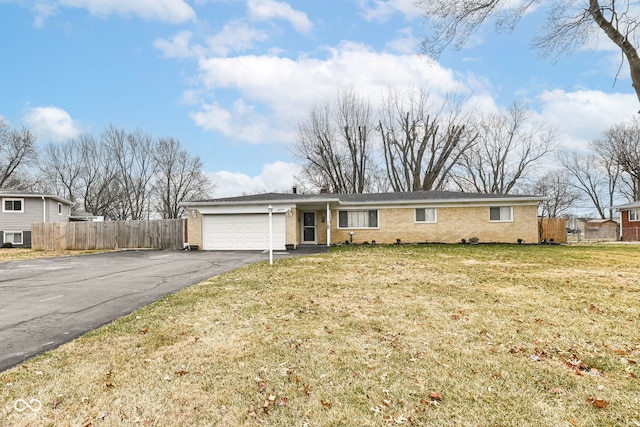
{"points": [[442, 335], [18, 254]]}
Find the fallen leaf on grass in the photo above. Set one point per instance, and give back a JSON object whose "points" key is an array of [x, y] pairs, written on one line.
{"points": [[573, 422], [144, 330], [182, 372], [58, 400], [434, 395], [559, 391], [325, 404], [262, 385], [598, 403]]}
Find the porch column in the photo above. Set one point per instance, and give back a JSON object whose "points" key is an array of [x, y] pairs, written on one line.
{"points": [[328, 225]]}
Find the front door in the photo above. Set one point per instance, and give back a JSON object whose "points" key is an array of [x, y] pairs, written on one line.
{"points": [[309, 227]]}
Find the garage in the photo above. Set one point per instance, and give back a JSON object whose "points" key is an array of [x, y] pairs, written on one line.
{"points": [[242, 231]]}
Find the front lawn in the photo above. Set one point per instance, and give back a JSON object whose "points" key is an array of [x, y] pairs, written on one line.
{"points": [[429, 335]]}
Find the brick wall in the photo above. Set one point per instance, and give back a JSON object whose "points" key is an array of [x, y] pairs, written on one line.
{"points": [[293, 231], [194, 228], [453, 224], [630, 229]]}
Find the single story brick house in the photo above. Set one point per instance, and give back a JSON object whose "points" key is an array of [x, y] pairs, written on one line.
{"points": [[242, 223], [629, 221], [20, 209]]}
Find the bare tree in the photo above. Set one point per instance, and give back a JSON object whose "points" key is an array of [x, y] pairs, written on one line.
{"points": [[17, 149], [622, 144], [334, 142], [422, 141], [62, 166], [131, 153], [596, 175], [570, 24], [179, 178], [81, 171], [509, 146], [561, 195]]}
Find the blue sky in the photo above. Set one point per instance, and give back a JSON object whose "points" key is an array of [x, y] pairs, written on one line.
{"points": [[231, 79]]}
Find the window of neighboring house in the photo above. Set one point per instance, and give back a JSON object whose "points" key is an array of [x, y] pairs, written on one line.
{"points": [[426, 215], [501, 213], [358, 219], [12, 205], [634, 214], [59, 208], [13, 237]]}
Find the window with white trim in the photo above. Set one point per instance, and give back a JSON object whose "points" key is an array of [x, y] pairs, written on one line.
{"points": [[426, 215], [501, 213], [358, 219], [13, 237], [59, 208], [634, 214], [12, 205]]}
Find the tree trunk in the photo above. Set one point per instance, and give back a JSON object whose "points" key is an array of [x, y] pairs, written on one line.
{"points": [[620, 40]]}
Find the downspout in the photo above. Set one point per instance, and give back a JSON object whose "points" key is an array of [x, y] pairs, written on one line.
{"points": [[328, 225], [44, 209]]}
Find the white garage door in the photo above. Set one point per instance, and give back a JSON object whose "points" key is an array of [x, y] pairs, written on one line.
{"points": [[242, 232]]}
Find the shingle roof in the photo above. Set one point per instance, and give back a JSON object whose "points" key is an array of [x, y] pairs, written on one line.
{"points": [[369, 198]]}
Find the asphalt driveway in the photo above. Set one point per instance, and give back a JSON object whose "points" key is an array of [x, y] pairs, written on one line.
{"points": [[46, 302]]}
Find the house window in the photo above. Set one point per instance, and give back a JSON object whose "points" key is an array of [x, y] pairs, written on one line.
{"points": [[12, 205], [501, 213], [358, 219], [426, 215], [59, 208], [13, 237], [634, 214]]}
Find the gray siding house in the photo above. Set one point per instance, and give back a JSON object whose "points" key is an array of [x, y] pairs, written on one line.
{"points": [[20, 209]]}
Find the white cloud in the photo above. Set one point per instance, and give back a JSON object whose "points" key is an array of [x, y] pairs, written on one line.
{"points": [[241, 121], [275, 177], [51, 124], [584, 115], [235, 36], [172, 11], [179, 46], [405, 42], [266, 10], [43, 11], [381, 10], [284, 90]]}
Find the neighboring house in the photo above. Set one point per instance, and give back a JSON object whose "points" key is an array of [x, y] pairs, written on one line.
{"points": [[629, 221], [601, 230], [82, 215], [242, 223], [20, 209]]}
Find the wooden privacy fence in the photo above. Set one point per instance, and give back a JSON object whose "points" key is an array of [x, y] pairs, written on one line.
{"points": [[552, 230], [151, 234]]}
